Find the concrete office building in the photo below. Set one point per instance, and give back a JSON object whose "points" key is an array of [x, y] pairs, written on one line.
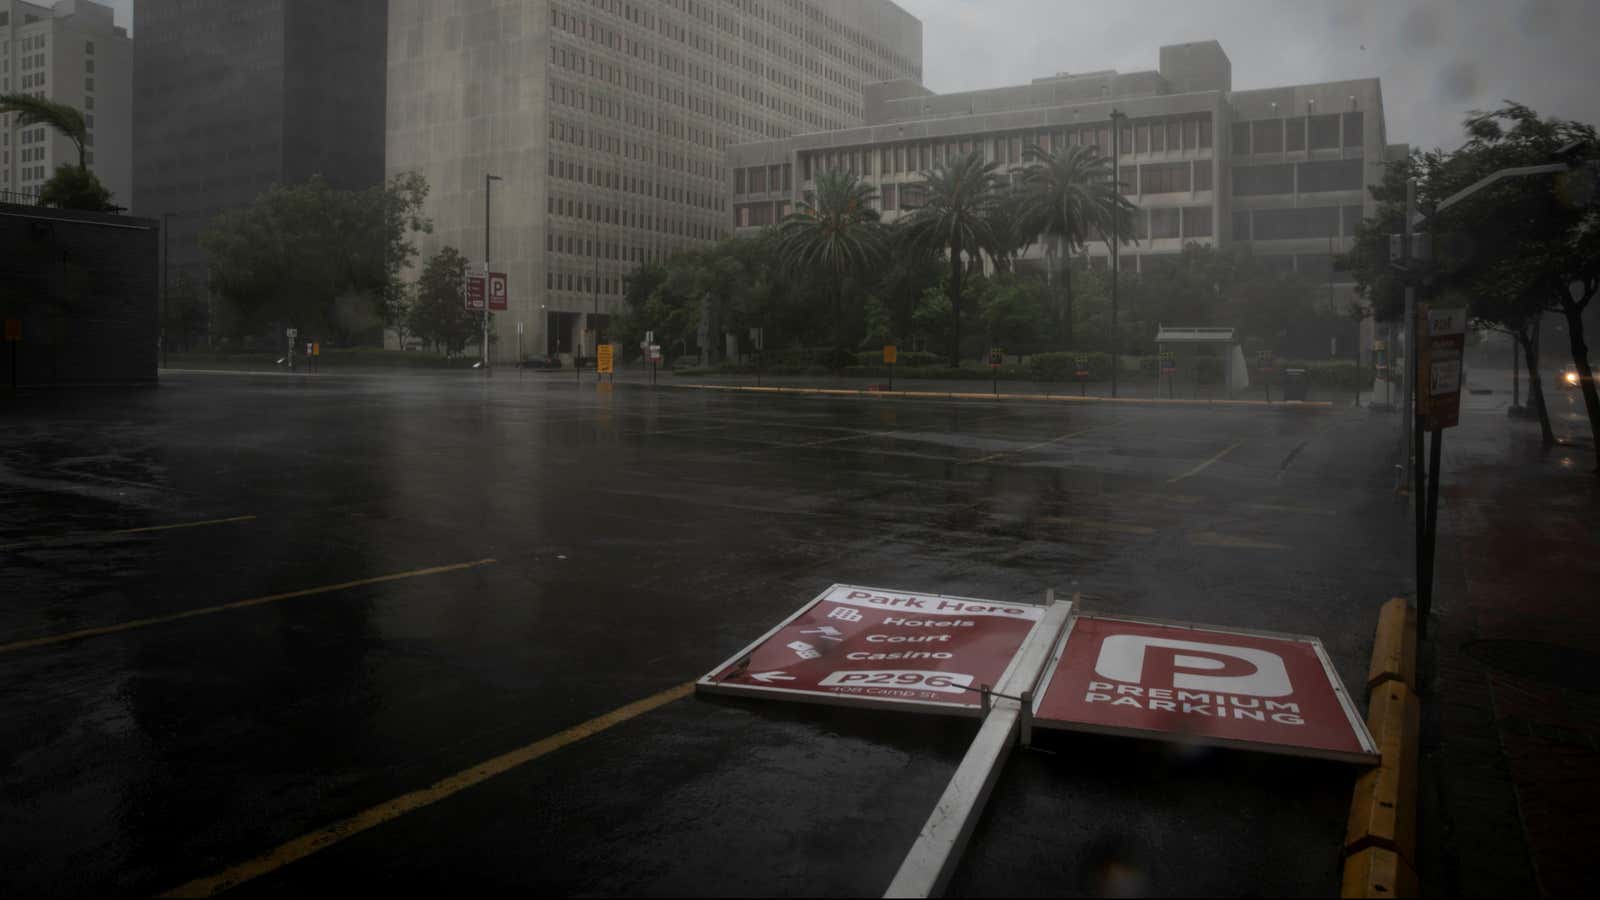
{"points": [[607, 121], [71, 53], [1283, 170], [232, 98]]}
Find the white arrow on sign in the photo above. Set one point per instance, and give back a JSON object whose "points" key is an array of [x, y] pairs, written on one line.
{"points": [[770, 677]]}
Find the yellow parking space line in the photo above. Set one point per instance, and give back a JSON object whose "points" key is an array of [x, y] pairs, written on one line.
{"points": [[305, 845], [1088, 524], [95, 535], [1053, 440], [1213, 539], [1207, 464], [237, 604], [1299, 510]]}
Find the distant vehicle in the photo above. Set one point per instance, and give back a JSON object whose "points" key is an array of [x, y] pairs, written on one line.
{"points": [[1569, 378], [541, 362]]}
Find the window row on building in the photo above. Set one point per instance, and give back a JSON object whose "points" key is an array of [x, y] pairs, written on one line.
{"points": [[624, 217], [1299, 178], [1298, 133], [1295, 224], [616, 144], [625, 182], [762, 179]]}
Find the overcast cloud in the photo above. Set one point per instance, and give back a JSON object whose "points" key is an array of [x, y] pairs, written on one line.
{"points": [[1436, 59]]}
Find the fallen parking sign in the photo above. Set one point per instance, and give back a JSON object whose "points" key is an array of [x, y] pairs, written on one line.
{"points": [[1192, 683], [863, 646]]}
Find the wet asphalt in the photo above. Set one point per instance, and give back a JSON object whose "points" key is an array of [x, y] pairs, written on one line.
{"points": [[638, 536]]}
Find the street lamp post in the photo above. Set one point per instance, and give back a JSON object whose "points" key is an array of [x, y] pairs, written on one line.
{"points": [[166, 266], [487, 178], [1116, 234]]}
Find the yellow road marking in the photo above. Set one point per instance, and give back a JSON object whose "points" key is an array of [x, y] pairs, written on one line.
{"points": [[89, 536], [1305, 510], [1031, 446], [305, 845], [1213, 539], [237, 604], [1087, 524], [1205, 465]]}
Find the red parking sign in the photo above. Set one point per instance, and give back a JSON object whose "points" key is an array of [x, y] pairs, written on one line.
{"points": [[1178, 682], [873, 647], [497, 291]]}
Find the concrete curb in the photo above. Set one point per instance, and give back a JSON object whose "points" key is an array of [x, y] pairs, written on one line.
{"points": [[1380, 841], [962, 395]]}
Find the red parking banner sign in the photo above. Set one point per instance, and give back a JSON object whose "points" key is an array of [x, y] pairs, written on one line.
{"points": [[497, 291], [863, 646], [1192, 683]]}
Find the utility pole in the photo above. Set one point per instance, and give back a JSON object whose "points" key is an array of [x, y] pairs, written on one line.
{"points": [[1408, 374], [1116, 234], [594, 317], [487, 178]]}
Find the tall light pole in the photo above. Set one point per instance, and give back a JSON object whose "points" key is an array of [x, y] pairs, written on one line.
{"points": [[166, 266], [1116, 233], [487, 178]]}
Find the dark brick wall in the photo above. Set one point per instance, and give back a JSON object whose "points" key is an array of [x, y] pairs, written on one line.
{"points": [[86, 287]]}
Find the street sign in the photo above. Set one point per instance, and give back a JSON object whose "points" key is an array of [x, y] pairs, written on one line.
{"points": [[1185, 683], [1081, 366], [890, 354], [654, 352], [603, 359], [497, 291], [1264, 360], [1442, 347], [308, 348], [1169, 362], [13, 330], [997, 357], [863, 646], [292, 333], [316, 348], [475, 293]]}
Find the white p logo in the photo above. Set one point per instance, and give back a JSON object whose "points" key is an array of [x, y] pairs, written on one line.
{"points": [[1161, 663]]}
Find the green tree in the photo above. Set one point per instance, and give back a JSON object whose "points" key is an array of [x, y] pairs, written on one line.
{"points": [[439, 315], [74, 188], [958, 215], [1068, 196], [66, 119], [834, 230], [1510, 251], [324, 260]]}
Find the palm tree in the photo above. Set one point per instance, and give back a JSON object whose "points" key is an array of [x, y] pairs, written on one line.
{"points": [[1069, 196], [835, 228], [32, 110], [959, 215]]}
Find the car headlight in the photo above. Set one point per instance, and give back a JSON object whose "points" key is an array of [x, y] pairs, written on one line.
{"points": [[1572, 378]]}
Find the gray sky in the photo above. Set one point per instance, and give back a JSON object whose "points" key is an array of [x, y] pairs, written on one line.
{"points": [[1436, 59]]}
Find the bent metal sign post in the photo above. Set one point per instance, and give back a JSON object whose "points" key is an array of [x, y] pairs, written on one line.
{"points": [[1222, 687], [861, 646]]}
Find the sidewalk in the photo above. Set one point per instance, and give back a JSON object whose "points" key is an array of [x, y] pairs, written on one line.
{"points": [[1511, 733]]}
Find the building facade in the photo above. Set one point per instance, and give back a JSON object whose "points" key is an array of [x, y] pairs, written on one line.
{"points": [[232, 98], [72, 53], [607, 122], [1282, 170]]}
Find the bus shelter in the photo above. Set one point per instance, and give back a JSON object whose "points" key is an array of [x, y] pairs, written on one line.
{"points": [[1187, 344]]}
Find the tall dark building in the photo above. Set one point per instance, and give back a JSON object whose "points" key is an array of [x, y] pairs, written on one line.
{"points": [[231, 98]]}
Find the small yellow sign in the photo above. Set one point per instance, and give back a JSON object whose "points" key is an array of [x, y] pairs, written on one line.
{"points": [[890, 353], [604, 359], [316, 348]]}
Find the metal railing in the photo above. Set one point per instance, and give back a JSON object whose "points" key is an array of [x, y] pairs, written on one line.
{"points": [[21, 198]]}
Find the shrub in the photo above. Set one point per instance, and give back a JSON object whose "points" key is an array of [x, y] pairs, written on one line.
{"points": [[1063, 366], [907, 358]]}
